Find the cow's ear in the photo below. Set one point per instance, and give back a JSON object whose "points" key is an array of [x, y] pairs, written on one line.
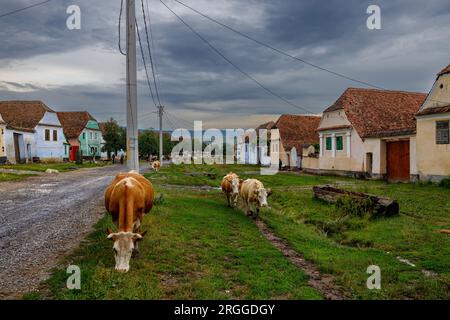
{"points": [[143, 233], [138, 236], [269, 192]]}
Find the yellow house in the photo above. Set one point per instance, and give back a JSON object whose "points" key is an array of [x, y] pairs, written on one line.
{"points": [[433, 138], [2, 140]]}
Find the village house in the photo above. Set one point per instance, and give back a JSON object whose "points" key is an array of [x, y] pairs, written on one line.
{"points": [[30, 131], [370, 133], [82, 132], [433, 137], [2, 140], [295, 131]]}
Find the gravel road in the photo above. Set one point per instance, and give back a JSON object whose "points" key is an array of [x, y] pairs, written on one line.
{"points": [[42, 219]]}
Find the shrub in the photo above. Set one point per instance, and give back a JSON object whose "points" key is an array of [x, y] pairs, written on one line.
{"points": [[354, 207], [445, 183]]}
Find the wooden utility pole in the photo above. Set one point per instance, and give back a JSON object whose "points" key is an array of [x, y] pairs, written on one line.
{"points": [[132, 122], [160, 114]]}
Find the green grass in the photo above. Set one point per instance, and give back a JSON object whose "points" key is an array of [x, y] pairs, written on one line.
{"points": [[197, 248], [41, 167], [13, 177]]}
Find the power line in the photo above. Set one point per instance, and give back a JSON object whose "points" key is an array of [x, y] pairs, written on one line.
{"points": [[278, 50], [150, 53], [153, 46], [234, 65], [180, 120], [119, 27], [145, 64], [25, 8]]}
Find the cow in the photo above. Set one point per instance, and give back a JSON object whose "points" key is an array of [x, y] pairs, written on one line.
{"points": [[230, 186], [253, 193], [156, 165], [127, 198]]}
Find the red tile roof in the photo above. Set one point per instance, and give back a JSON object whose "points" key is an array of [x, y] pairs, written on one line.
{"points": [[297, 130], [434, 110], [23, 115], [268, 125], [74, 122], [377, 113], [444, 71]]}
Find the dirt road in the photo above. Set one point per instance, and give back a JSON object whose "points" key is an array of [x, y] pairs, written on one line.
{"points": [[42, 219]]}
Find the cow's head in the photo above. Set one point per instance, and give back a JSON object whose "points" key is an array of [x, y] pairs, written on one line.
{"points": [[262, 194], [235, 188], [124, 244]]}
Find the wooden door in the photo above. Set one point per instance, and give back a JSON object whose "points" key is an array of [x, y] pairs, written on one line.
{"points": [[16, 147], [397, 154]]}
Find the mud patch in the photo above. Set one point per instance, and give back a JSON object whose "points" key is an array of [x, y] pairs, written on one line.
{"points": [[321, 282]]}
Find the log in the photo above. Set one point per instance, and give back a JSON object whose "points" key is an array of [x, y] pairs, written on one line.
{"points": [[210, 175], [380, 206]]}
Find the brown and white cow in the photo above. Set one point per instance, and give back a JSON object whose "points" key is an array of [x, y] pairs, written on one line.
{"points": [[253, 194], [230, 186], [156, 165], [128, 198]]}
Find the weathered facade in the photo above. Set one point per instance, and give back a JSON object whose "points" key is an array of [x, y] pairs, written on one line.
{"points": [[371, 133], [433, 141], [32, 131], [2, 140]]}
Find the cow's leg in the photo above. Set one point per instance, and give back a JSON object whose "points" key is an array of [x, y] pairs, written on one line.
{"points": [[249, 209], [228, 199]]}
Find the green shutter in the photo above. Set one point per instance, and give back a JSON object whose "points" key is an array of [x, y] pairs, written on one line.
{"points": [[329, 141], [339, 143]]}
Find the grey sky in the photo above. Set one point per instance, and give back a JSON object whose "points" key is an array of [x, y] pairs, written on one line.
{"points": [[83, 69]]}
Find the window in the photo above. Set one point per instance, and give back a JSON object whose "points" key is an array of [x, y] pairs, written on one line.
{"points": [[84, 135], [55, 135], [339, 143], [442, 132], [90, 135], [329, 143], [96, 135], [47, 135]]}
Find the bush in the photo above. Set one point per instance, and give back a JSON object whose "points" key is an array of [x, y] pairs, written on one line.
{"points": [[445, 183], [354, 207]]}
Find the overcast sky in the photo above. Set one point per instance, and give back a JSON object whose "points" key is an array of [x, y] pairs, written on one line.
{"points": [[83, 69]]}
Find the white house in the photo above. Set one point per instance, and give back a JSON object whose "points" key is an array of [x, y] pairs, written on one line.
{"points": [[2, 140], [32, 131], [369, 132]]}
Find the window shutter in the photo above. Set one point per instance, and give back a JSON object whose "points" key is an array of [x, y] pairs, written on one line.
{"points": [[442, 132]]}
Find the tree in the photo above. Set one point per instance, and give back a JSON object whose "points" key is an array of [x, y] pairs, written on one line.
{"points": [[115, 138], [148, 144]]}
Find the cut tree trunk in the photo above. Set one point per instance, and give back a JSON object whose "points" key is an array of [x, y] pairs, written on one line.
{"points": [[381, 206]]}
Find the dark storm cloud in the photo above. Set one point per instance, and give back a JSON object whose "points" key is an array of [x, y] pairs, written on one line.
{"points": [[196, 83]]}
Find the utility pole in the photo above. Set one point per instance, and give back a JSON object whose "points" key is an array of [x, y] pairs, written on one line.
{"points": [[132, 123], [160, 114]]}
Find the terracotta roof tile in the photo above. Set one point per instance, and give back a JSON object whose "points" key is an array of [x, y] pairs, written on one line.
{"points": [[74, 122], [23, 115], [377, 113], [298, 130], [268, 125], [434, 110], [444, 71]]}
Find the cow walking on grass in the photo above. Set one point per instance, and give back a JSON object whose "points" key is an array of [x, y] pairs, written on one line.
{"points": [[156, 165], [253, 195], [230, 186], [128, 198]]}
